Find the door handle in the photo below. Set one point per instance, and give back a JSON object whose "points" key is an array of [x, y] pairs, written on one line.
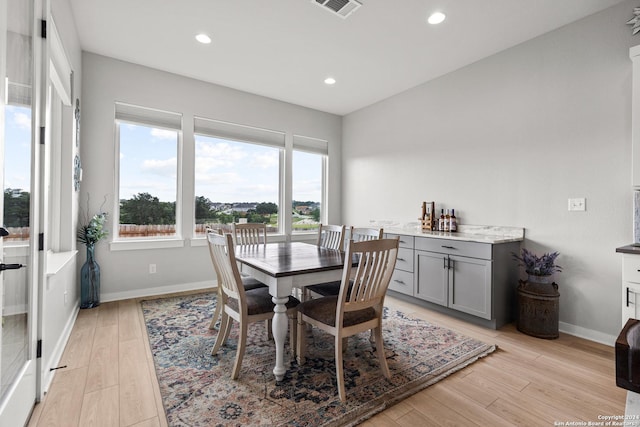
{"points": [[4, 266], [448, 247], [444, 263], [448, 263], [628, 290]]}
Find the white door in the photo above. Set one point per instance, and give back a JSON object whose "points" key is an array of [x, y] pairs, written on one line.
{"points": [[18, 379]]}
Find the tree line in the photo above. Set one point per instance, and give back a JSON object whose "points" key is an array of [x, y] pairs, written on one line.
{"points": [[145, 209]]}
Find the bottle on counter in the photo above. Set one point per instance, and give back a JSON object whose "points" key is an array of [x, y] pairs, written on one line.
{"points": [[453, 221], [447, 221], [441, 221]]}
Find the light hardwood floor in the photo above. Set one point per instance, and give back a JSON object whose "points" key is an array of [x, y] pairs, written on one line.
{"points": [[110, 379]]}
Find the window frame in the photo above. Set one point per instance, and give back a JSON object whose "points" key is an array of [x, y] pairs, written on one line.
{"points": [[245, 134], [149, 118]]}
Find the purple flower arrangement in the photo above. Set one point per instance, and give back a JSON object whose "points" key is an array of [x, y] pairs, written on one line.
{"points": [[538, 266]]}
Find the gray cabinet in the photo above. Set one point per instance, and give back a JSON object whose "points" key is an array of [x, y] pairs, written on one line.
{"points": [[402, 279], [458, 281], [472, 280], [433, 278]]}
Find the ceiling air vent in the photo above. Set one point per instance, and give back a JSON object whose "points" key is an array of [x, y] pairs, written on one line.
{"points": [[342, 8]]}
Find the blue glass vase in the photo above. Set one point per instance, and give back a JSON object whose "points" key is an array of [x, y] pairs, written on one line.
{"points": [[90, 281]]}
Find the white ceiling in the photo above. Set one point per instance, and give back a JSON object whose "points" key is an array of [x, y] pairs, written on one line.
{"points": [[284, 49]]}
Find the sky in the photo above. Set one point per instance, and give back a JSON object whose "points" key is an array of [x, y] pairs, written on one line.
{"points": [[17, 150], [225, 171]]}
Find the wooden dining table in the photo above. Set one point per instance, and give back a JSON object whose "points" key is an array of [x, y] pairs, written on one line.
{"points": [[284, 266]]}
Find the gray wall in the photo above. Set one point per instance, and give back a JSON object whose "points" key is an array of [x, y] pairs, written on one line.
{"points": [[506, 141], [105, 81]]}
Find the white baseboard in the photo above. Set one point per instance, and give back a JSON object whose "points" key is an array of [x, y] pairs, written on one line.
{"points": [[148, 292], [56, 354], [588, 334]]}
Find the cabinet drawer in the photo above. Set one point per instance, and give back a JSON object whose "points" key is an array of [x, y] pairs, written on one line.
{"points": [[631, 268], [405, 241], [454, 247], [405, 260], [402, 281]]}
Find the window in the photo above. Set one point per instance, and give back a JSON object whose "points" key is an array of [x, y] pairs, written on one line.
{"points": [[308, 177], [149, 151], [17, 172], [237, 175]]}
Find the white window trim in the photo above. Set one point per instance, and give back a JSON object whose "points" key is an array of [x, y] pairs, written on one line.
{"points": [[117, 243], [245, 134], [318, 146]]}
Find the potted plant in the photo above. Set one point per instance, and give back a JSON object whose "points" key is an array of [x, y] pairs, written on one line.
{"points": [[91, 233], [538, 296], [539, 268]]}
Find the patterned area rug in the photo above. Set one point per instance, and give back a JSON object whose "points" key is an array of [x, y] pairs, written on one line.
{"points": [[197, 390]]}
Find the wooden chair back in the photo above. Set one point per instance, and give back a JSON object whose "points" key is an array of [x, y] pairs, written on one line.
{"points": [[367, 285], [250, 234], [362, 234], [223, 257], [331, 236]]}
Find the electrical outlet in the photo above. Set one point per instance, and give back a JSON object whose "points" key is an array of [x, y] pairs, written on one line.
{"points": [[152, 269], [579, 204]]}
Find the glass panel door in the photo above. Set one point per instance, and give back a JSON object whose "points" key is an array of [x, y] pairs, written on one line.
{"points": [[17, 364]]}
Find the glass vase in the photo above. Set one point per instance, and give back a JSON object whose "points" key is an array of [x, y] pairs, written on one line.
{"points": [[90, 281]]}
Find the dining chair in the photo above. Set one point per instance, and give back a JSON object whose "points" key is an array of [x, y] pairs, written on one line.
{"points": [[331, 236], [248, 283], [359, 305], [243, 306], [251, 233], [357, 234]]}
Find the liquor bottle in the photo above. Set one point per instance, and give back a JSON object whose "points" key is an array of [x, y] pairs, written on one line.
{"points": [[453, 225], [447, 221], [441, 221]]}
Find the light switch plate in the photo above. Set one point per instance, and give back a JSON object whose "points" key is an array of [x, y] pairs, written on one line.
{"points": [[579, 204]]}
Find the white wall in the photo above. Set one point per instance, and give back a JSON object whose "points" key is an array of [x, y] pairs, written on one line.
{"points": [[506, 141], [105, 81], [60, 294]]}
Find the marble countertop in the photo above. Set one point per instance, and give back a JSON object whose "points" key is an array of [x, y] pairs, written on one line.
{"points": [[629, 249], [471, 233]]}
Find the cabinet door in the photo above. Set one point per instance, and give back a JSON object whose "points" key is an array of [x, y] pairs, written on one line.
{"points": [[431, 277], [402, 281], [470, 286]]}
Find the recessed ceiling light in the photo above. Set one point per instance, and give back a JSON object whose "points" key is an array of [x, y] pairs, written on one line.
{"points": [[330, 81], [203, 38], [436, 18]]}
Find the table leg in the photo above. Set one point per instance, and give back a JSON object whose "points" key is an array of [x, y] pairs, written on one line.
{"points": [[279, 325]]}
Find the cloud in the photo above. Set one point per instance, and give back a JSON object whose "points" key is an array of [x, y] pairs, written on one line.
{"points": [[163, 133], [22, 120], [164, 168], [221, 154], [265, 161]]}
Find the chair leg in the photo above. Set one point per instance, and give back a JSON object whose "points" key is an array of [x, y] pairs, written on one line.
{"points": [[293, 334], [302, 345], [225, 324], [340, 369], [216, 314], [380, 351], [267, 326], [242, 344]]}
